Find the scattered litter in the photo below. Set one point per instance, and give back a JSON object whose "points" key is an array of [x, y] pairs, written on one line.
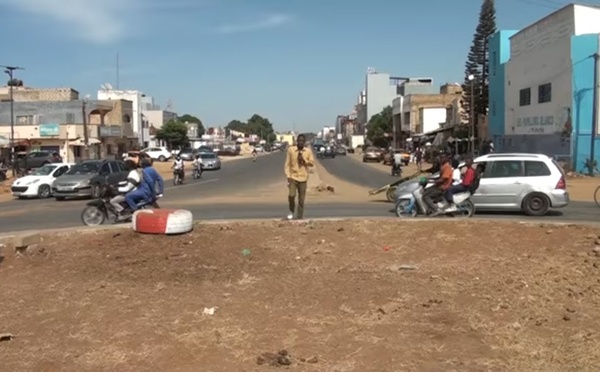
{"points": [[246, 252], [386, 248], [6, 337], [209, 311], [115, 235], [404, 267], [320, 241]]}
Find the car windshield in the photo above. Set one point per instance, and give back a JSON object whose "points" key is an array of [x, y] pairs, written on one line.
{"points": [[186, 151], [84, 168], [45, 170], [208, 156], [36, 154]]}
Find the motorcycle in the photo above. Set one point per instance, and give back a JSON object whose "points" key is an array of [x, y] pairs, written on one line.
{"points": [[100, 210], [197, 174], [410, 202], [396, 170], [177, 177]]}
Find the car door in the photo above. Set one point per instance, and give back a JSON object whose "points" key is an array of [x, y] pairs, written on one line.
{"points": [[116, 175], [501, 184]]}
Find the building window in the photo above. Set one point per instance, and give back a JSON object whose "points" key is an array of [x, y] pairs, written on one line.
{"points": [[525, 97], [545, 93], [24, 119], [493, 108], [494, 64]]}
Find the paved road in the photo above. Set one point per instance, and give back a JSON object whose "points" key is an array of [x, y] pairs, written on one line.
{"points": [[351, 170]]}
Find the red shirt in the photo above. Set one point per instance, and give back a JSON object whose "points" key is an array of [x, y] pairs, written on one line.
{"points": [[468, 177]]}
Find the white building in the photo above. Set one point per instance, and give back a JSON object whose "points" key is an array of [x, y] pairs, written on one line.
{"points": [[380, 90], [140, 101]]}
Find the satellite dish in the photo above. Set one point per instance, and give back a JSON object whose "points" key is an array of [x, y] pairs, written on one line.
{"points": [[108, 86]]}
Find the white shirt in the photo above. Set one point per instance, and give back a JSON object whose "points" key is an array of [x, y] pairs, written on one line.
{"points": [[397, 158], [178, 164], [456, 176], [133, 179], [198, 162]]}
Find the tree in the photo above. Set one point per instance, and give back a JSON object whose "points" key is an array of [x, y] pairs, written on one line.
{"points": [[174, 132], [478, 65], [379, 127], [187, 118], [237, 125], [257, 125]]}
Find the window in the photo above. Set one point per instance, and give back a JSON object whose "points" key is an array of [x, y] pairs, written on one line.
{"points": [[104, 170], [60, 171], [545, 93], [505, 168], [494, 62], [536, 169], [24, 119], [493, 108], [525, 97], [70, 118], [121, 166], [115, 166]]}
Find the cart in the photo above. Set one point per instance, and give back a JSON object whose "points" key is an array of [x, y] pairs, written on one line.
{"points": [[390, 188]]}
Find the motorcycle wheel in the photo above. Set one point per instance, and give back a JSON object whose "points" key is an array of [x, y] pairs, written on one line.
{"points": [[465, 210], [401, 209], [92, 216], [390, 194]]}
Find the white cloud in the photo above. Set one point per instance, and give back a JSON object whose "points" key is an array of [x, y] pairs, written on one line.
{"points": [[96, 21], [271, 21]]}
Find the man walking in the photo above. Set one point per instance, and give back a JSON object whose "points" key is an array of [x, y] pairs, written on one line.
{"points": [[299, 158]]}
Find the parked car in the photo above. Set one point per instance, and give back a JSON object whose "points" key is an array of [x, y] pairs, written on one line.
{"points": [[37, 159], [228, 151], [158, 153], [259, 148], [371, 154], [210, 161], [341, 150], [39, 183], [205, 149], [532, 183], [86, 179]]}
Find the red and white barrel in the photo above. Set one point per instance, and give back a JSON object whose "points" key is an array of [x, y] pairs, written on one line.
{"points": [[163, 221]]}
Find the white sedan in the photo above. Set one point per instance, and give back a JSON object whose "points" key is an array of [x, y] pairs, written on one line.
{"points": [[39, 183], [158, 153]]}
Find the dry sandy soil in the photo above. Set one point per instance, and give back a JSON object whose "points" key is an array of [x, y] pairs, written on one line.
{"points": [[377, 295]]}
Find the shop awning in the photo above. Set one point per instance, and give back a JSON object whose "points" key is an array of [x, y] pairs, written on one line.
{"points": [[81, 142]]}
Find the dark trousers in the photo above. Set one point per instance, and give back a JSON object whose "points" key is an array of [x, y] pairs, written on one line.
{"points": [[297, 188], [454, 190], [430, 195]]}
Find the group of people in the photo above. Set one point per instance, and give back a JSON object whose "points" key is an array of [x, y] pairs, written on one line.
{"points": [[179, 166], [141, 186]]}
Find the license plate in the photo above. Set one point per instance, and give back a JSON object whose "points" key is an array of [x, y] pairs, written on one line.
{"points": [[63, 188]]}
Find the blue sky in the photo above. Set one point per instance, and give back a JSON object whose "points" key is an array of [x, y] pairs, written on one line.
{"points": [[296, 62]]}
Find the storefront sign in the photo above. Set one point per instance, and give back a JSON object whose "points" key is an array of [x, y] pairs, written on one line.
{"points": [[49, 130], [109, 131], [535, 125]]}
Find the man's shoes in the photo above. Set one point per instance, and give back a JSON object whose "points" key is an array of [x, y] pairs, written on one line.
{"points": [[290, 217], [123, 216]]}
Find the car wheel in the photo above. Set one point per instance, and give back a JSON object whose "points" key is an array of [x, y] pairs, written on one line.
{"points": [[536, 204], [162, 158], [44, 192]]}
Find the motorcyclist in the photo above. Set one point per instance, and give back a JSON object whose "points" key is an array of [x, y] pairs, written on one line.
{"points": [[131, 184], [179, 166], [397, 161], [466, 182], [442, 183], [198, 165], [147, 189], [254, 154]]}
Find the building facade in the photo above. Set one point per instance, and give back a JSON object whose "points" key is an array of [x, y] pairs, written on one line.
{"points": [[139, 102], [541, 85]]}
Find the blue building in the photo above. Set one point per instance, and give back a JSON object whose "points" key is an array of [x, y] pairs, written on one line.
{"points": [[541, 86]]}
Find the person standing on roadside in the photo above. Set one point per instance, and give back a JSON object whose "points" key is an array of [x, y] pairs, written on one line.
{"points": [[299, 158]]}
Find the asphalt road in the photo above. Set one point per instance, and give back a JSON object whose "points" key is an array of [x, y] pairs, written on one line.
{"points": [[351, 170]]}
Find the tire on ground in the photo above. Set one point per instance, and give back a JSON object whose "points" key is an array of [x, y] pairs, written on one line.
{"points": [[163, 221]]}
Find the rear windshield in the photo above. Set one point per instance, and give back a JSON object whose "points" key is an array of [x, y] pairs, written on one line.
{"points": [[562, 171]]}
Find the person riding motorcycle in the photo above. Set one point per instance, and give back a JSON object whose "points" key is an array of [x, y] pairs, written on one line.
{"points": [[179, 166], [146, 191], [198, 165], [397, 162], [131, 184], [254, 154], [442, 183], [468, 178]]}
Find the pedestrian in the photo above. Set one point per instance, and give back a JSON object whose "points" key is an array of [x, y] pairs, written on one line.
{"points": [[299, 158], [419, 158]]}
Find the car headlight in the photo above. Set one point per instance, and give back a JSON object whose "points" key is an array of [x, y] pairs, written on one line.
{"points": [[32, 182], [85, 183]]}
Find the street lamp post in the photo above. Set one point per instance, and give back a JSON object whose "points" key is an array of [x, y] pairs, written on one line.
{"points": [[9, 70], [472, 115], [86, 138]]}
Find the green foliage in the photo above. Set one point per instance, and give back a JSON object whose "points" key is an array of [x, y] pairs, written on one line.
{"points": [[193, 119], [478, 63], [380, 127], [174, 132], [257, 125]]}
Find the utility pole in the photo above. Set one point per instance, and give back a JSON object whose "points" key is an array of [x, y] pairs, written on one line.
{"points": [[472, 116], [86, 139], [594, 116], [9, 70]]}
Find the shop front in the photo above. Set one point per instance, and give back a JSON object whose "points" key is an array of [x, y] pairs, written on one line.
{"points": [[111, 137]]}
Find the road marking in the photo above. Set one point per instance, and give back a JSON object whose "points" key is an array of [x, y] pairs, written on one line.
{"points": [[191, 184]]}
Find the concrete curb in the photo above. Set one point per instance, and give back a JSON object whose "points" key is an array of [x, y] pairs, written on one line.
{"points": [[86, 229]]}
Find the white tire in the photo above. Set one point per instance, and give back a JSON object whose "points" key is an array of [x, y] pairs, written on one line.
{"points": [[163, 221]]}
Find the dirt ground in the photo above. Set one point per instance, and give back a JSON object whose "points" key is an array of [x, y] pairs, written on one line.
{"points": [[376, 295]]}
